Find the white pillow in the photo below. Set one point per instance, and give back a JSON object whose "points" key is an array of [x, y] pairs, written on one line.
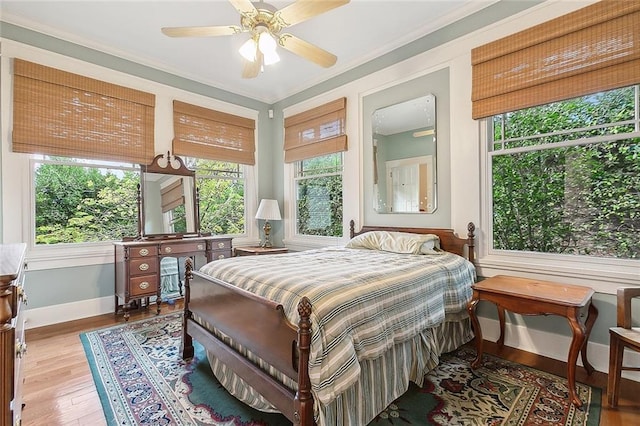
{"points": [[396, 242]]}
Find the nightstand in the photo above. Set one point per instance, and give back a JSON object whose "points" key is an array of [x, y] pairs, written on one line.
{"points": [[257, 251]]}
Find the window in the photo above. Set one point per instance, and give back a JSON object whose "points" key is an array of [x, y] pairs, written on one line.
{"points": [[318, 184], [221, 190], [314, 142], [566, 176], [82, 201], [220, 147]]}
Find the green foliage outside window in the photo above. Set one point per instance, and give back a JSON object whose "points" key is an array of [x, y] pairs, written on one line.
{"points": [[566, 177], [319, 196], [221, 191], [78, 204]]}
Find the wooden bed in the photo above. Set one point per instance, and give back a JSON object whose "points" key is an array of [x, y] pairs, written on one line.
{"points": [[260, 326]]}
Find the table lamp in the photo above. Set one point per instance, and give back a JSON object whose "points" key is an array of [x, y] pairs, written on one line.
{"points": [[268, 210]]}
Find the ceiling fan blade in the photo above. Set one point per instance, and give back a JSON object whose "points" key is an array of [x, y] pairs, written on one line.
{"points": [[201, 31], [245, 7], [307, 50], [252, 69], [422, 133], [305, 9]]}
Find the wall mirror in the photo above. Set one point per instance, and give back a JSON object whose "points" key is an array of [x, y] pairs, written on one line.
{"points": [[404, 157], [168, 199]]}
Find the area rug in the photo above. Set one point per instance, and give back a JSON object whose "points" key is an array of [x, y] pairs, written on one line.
{"points": [[142, 380]]}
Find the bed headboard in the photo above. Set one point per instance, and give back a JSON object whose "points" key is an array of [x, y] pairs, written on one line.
{"points": [[449, 241]]}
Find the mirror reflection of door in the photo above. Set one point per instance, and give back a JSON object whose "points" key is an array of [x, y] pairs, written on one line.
{"points": [[409, 184], [404, 137]]}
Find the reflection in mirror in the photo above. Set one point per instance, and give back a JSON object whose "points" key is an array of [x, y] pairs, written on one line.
{"points": [[168, 201], [404, 157], [171, 283]]}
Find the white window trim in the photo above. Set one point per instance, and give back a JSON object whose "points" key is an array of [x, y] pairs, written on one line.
{"points": [[292, 239], [604, 275]]}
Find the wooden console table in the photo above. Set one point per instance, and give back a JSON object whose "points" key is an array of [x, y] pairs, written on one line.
{"points": [[535, 297]]}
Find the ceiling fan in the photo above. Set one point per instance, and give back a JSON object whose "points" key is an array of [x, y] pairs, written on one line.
{"points": [[264, 23]]}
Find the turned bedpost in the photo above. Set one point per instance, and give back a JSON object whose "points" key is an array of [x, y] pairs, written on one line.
{"points": [[352, 228], [186, 345], [471, 228], [303, 403]]}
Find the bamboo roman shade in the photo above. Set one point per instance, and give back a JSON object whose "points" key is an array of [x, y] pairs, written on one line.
{"points": [[60, 113], [590, 50], [316, 132], [205, 133], [172, 195]]}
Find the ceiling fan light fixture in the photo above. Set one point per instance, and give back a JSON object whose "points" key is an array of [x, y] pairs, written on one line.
{"points": [[266, 43], [271, 58], [248, 50]]}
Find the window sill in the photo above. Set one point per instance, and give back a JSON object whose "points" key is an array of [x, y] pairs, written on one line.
{"points": [[603, 275], [69, 256], [309, 242]]}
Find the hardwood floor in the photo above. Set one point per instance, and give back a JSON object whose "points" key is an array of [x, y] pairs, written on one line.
{"points": [[59, 390]]}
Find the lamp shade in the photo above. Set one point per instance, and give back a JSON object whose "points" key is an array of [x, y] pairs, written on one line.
{"points": [[268, 210]]}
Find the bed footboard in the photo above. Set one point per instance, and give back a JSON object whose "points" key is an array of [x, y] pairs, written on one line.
{"points": [[260, 326]]}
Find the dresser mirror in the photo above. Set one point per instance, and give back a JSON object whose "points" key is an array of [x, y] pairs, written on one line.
{"points": [[168, 199], [404, 157]]}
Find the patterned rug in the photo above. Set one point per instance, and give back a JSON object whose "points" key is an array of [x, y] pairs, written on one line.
{"points": [[142, 380]]}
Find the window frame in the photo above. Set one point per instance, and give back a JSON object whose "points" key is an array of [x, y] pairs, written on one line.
{"points": [[604, 275], [250, 204], [298, 176]]}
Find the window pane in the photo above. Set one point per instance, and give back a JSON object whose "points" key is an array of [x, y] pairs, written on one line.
{"points": [[573, 186], [221, 188], [319, 196], [84, 203]]}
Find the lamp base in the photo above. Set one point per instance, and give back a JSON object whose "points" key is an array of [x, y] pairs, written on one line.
{"points": [[267, 231]]}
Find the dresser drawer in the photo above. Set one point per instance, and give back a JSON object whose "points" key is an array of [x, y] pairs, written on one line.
{"points": [[223, 245], [148, 251], [221, 254], [183, 247], [145, 285], [143, 266]]}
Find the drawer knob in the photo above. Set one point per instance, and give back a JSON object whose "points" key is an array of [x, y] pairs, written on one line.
{"points": [[167, 249], [143, 266], [22, 296], [144, 252], [200, 247], [21, 348], [221, 256], [220, 245], [144, 285]]}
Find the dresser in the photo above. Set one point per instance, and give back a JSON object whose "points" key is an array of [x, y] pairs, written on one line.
{"points": [[12, 343], [137, 265]]}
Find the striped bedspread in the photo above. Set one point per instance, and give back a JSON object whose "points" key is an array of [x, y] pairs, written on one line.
{"points": [[364, 301]]}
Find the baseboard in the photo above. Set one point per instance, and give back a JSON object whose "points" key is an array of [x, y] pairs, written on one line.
{"points": [[554, 346], [64, 312]]}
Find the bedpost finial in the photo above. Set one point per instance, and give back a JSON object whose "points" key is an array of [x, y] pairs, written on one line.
{"points": [[188, 267], [471, 228], [304, 308]]}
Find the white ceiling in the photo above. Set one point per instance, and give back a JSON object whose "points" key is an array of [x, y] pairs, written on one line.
{"points": [[356, 33]]}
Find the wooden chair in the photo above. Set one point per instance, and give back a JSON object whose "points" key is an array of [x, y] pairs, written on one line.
{"points": [[621, 337]]}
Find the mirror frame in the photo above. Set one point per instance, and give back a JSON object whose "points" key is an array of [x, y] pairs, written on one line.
{"points": [[428, 129], [156, 167]]}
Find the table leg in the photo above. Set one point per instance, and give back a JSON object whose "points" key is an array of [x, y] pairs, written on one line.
{"points": [[577, 343], [475, 324], [501, 320], [591, 319]]}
